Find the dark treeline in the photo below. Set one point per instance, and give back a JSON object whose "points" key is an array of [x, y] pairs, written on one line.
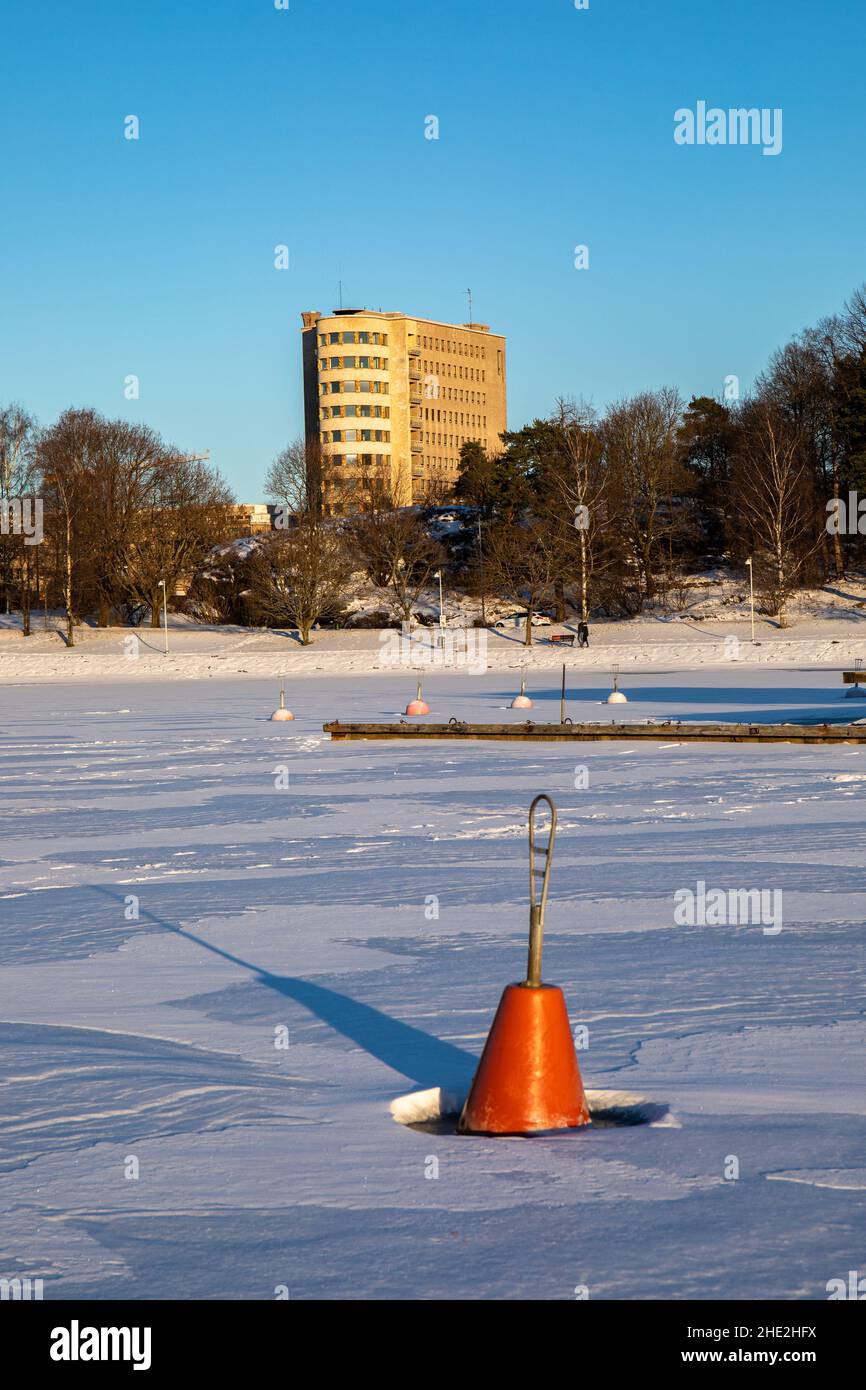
{"points": [[121, 514], [611, 513], [586, 513]]}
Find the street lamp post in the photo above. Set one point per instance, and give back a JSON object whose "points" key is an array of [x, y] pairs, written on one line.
{"points": [[483, 584], [752, 595], [164, 613], [443, 621]]}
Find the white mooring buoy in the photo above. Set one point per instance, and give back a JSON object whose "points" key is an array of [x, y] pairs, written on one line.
{"points": [[855, 676], [281, 712], [616, 696]]}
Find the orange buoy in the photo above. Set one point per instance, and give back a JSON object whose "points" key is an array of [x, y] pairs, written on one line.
{"points": [[418, 706], [528, 1078]]}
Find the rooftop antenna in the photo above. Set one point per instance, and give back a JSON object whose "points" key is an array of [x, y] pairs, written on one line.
{"points": [[340, 283], [469, 293]]}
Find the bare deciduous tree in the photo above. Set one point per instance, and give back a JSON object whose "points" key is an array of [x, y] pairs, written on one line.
{"points": [[640, 450], [852, 323], [299, 576], [18, 478], [525, 561], [774, 490], [302, 478], [187, 514], [435, 492], [799, 383], [582, 485], [67, 455], [397, 554], [125, 512], [128, 465]]}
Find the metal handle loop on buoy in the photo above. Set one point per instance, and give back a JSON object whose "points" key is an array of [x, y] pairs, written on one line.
{"points": [[536, 907]]}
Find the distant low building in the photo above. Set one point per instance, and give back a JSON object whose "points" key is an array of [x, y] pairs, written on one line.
{"points": [[254, 517]]}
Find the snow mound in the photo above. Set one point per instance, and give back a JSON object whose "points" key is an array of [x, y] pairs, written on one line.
{"points": [[422, 1107]]}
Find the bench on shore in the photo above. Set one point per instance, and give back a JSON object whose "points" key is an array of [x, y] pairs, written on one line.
{"points": [[853, 677], [562, 638]]}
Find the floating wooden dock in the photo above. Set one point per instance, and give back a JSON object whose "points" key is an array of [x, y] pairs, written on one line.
{"points": [[529, 732]]}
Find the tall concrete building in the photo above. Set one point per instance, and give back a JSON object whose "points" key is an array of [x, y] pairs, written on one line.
{"points": [[397, 396]]}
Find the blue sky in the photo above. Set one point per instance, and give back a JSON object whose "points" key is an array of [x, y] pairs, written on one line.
{"points": [[306, 127]]}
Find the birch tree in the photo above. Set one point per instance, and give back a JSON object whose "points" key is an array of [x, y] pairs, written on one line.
{"points": [[639, 438], [582, 488], [775, 495]]}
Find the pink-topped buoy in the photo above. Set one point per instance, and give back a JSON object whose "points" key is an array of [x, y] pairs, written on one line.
{"points": [[418, 706], [521, 701], [281, 712]]}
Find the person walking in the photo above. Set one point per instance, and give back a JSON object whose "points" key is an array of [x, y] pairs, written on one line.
{"points": [[582, 635]]}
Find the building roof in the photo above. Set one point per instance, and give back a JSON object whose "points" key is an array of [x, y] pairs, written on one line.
{"points": [[312, 316]]}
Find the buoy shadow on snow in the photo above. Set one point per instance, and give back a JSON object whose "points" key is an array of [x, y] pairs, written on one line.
{"points": [[412, 1053], [437, 1110]]}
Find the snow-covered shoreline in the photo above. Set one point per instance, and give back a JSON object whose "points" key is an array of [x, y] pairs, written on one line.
{"points": [[212, 655]]}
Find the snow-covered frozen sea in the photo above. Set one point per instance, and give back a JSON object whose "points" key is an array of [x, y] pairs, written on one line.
{"points": [[158, 1139]]}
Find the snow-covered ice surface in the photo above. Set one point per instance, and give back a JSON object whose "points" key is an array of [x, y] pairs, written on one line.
{"points": [[263, 910]]}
